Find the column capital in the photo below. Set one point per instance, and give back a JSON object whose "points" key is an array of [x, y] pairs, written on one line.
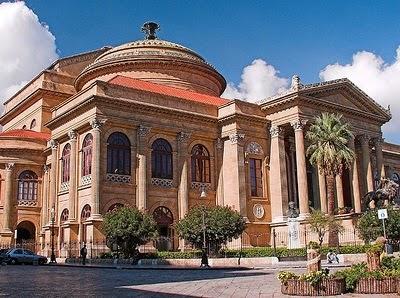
{"points": [[143, 131], [364, 139], [219, 144], [10, 166], [276, 131], [183, 136], [236, 137], [97, 123], [46, 168], [72, 135], [298, 124], [53, 144], [378, 141]]}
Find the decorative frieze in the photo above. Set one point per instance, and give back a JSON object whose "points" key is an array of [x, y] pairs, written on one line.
{"points": [[236, 137], [201, 185], [254, 148], [86, 180], [143, 131], [64, 186], [165, 183], [115, 178], [183, 137]]}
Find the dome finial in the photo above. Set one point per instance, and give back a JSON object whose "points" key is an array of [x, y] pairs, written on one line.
{"points": [[149, 29]]}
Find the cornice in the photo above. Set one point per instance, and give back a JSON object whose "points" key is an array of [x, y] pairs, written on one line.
{"points": [[128, 105]]}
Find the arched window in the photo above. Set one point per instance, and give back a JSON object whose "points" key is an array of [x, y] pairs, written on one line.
{"points": [[87, 155], [65, 163], [33, 124], [200, 164], [64, 215], [118, 154], [115, 206], [161, 159], [27, 186], [86, 212]]}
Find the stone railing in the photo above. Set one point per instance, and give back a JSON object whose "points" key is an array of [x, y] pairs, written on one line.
{"points": [[86, 180], [64, 186], [201, 185], [27, 203], [166, 183], [116, 178]]}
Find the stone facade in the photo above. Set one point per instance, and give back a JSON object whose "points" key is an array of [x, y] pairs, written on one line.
{"points": [[81, 139]]}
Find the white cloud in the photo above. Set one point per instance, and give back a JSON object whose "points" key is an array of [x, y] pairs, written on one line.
{"points": [[379, 79], [258, 81], [26, 47]]}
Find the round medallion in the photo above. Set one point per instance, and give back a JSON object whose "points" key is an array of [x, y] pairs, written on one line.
{"points": [[258, 211]]}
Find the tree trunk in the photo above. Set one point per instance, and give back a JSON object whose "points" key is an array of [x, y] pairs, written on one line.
{"points": [[373, 261], [333, 239], [313, 260]]}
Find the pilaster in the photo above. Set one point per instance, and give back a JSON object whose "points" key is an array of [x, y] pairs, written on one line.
{"points": [[143, 133]]}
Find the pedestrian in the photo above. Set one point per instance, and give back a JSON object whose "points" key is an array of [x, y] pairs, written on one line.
{"points": [[332, 257], [83, 254]]}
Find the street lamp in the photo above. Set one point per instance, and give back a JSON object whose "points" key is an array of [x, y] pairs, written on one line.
{"points": [[52, 218], [204, 255]]}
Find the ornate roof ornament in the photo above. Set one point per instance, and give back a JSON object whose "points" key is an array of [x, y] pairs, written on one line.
{"points": [[296, 85], [149, 29]]}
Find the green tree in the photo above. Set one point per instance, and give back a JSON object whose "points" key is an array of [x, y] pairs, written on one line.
{"points": [[222, 224], [320, 223], [329, 151], [128, 227], [370, 227]]}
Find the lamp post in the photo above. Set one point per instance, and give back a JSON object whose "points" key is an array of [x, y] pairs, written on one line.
{"points": [[204, 255], [52, 218]]}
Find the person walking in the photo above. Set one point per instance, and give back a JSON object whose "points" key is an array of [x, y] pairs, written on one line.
{"points": [[83, 254]]}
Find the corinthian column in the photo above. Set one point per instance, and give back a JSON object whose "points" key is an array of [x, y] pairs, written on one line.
{"points": [[367, 168], [96, 162], [183, 188], [278, 175], [339, 191], [379, 158], [355, 179], [301, 167], [53, 176], [220, 183], [45, 196], [322, 190], [72, 176], [141, 191], [8, 198]]}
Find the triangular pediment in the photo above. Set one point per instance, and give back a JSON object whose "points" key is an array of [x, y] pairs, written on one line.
{"points": [[345, 94]]}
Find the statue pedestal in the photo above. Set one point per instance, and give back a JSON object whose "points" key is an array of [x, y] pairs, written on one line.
{"points": [[293, 233]]}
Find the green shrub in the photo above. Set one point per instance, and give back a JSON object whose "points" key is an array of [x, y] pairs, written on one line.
{"points": [[314, 278]]}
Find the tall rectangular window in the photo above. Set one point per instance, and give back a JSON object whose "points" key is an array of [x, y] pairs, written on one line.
{"points": [[256, 177]]}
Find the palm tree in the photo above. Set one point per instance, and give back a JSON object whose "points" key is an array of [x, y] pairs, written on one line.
{"points": [[329, 151]]}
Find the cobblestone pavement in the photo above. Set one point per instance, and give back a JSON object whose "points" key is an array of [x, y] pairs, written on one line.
{"points": [[58, 281]]}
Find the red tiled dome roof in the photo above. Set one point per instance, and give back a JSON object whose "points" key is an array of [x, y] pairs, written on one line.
{"points": [[167, 90], [26, 134]]}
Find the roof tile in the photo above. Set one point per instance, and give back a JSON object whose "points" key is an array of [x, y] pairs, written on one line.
{"points": [[24, 133]]}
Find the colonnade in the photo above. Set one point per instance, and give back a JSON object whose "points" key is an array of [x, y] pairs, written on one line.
{"points": [[360, 182]]}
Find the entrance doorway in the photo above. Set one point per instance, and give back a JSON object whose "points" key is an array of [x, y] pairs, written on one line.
{"points": [[164, 220], [26, 232]]}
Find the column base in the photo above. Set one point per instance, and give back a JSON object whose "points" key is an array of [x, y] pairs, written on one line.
{"points": [[6, 237], [95, 217]]}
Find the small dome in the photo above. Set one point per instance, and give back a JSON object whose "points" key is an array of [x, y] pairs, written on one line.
{"points": [[156, 61]]}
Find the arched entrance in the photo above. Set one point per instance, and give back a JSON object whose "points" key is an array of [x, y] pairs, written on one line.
{"points": [[26, 235], [164, 219]]}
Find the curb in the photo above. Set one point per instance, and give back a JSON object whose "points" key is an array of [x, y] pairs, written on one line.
{"points": [[149, 267]]}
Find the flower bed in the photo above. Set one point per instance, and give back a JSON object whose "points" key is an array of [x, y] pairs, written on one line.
{"points": [[372, 285], [326, 287]]}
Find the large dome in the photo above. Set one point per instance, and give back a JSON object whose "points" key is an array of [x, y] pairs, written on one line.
{"points": [[156, 61]]}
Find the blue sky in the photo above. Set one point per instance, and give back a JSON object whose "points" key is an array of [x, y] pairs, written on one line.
{"points": [[294, 36], [256, 45]]}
